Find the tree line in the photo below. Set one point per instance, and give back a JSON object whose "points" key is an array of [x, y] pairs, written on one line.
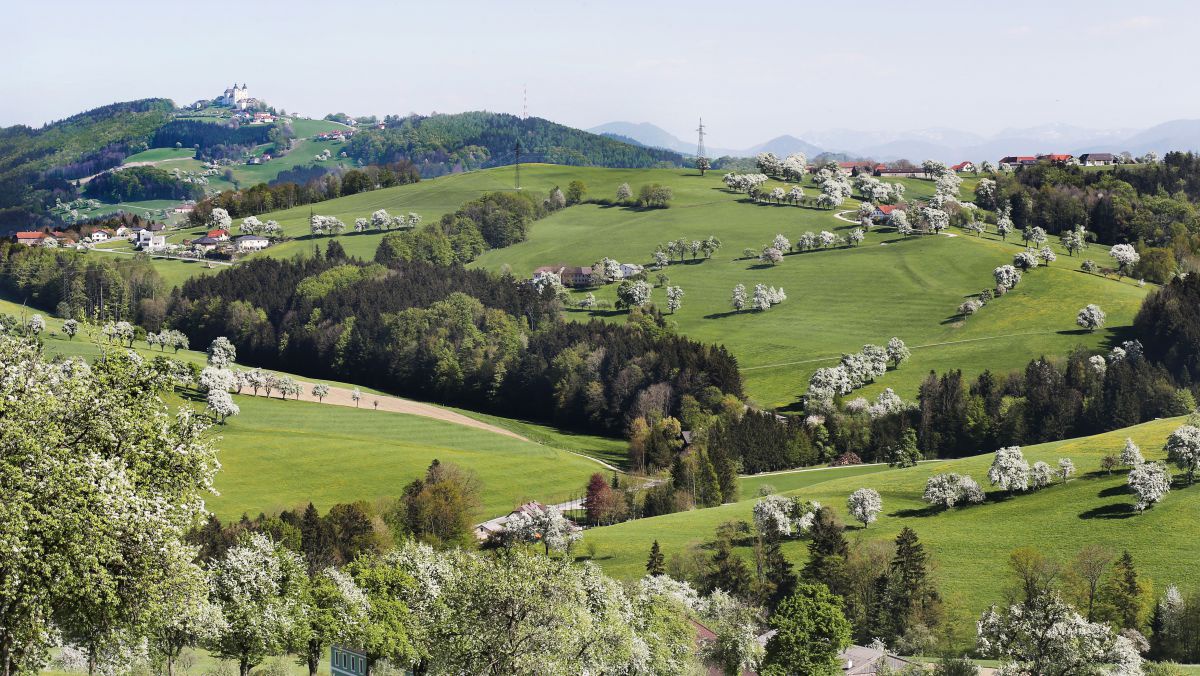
{"points": [[1152, 205], [442, 144], [284, 194], [140, 183], [470, 337]]}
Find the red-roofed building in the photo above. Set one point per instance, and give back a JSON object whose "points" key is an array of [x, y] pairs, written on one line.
{"points": [[1057, 158], [30, 238], [883, 212], [857, 167], [965, 165], [220, 234], [1018, 160]]}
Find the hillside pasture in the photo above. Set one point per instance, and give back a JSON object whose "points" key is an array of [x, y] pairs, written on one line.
{"points": [[278, 454], [970, 545]]}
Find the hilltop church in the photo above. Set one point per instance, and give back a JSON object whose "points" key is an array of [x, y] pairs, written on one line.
{"points": [[236, 97]]}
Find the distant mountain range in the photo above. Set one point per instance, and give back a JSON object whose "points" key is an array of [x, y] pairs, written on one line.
{"points": [[945, 144]]}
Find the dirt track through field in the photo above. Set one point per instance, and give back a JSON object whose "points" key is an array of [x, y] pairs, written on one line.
{"points": [[340, 396]]}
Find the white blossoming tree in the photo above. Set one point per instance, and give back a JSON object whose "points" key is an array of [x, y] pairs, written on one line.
{"points": [[320, 391], [1131, 455], [1040, 475], [1007, 277], [948, 490], [864, 505], [1183, 449], [1066, 469], [1151, 482], [1125, 256], [258, 586], [674, 298], [221, 353], [1091, 317], [1046, 636], [95, 505], [547, 527], [739, 298], [1009, 470]]}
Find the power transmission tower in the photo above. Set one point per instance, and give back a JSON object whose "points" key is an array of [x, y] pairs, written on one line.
{"points": [[700, 144], [517, 151], [524, 102]]}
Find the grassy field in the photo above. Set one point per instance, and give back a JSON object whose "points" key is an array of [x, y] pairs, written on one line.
{"points": [[304, 128], [838, 299], [970, 546], [278, 454], [161, 155]]}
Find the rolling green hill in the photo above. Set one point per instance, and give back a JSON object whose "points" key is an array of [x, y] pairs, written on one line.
{"points": [[279, 453], [970, 545], [837, 300]]}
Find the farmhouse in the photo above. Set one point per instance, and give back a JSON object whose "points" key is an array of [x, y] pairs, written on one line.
{"points": [[630, 269], [101, 235], [571, 275], [220, 234], [965, 166], [857, 167], [1057, 158], [185, 208], [252, 243], [29, 238], [1097, 159], [1018, 160], [496, 527], [883, 212]]}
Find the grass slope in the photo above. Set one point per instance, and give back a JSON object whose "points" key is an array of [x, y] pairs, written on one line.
{"points": [[837, 300], [278, 454], [971, 545]]}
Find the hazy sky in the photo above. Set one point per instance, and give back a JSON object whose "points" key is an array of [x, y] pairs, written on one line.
{"points": [[754, 70]]}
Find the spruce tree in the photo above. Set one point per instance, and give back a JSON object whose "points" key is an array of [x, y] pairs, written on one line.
{"points": [[654, 564], [781, 580], [1124, 593], [729, 572], [827, 551], [710, 484], [316, 538], [909, 588]]}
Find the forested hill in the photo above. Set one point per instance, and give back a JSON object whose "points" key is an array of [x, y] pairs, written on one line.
{"points": [[441, 144], [37, 164]]}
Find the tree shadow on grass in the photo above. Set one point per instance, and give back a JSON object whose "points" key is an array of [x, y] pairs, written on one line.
{"points": [[761, 266], [1113, 491], [1074, 332], [923, 511], [1117, 510], [721, 315], [596, 313]]}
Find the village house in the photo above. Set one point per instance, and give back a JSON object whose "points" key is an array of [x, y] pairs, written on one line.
{"points": [[963, 167], [883, 212], [1018, 160], [204, 244], [857, 167], [183, 209], [101, 235], [630, 269], [495, 527], [1097, 159], [1057, 158], [571, 275], [896, 172], [148, 241], [220, 234], [29, 238], [247, 243]]}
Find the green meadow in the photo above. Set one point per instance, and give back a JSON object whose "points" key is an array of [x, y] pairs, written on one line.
{"points": [[970, 545], [278, 454]]}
